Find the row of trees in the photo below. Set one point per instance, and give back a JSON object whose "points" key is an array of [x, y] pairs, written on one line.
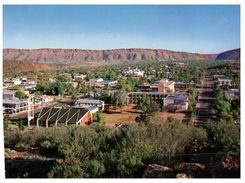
{"points": [[224, 107]]}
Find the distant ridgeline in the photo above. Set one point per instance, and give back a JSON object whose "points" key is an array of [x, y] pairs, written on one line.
{"points": [[67, 56]]}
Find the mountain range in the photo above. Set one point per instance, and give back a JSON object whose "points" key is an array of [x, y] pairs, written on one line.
{"points": [[67, 56]]}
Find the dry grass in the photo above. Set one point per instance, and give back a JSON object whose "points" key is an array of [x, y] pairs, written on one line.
{"points": [[119, 118]]}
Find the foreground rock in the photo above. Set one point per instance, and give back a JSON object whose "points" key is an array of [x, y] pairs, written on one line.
{"points": [[158, 171]]}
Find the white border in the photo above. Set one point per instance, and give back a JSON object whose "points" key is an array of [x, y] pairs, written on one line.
{"points": [[180, 2]]}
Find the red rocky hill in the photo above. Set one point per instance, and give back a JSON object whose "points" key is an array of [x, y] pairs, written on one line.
{"points": [[66, 56]]}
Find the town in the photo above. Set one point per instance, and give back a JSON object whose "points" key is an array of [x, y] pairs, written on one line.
{"points": [[188, 92], [117, 92]]}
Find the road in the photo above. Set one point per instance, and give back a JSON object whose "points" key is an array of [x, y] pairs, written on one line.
{"points": [[205, 102]]}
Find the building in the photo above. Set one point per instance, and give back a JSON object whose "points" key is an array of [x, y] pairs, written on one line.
{"points": [[164, 85], [182, 86], [135, 97], [98, 82], [133, 72], [233, 94], [176, 102], [222, 80], [80, 77], [86, 103], [12, 81], [42, 99], [8, 94], [109, 82], [62, 117], [14, 105], [26, 81]]}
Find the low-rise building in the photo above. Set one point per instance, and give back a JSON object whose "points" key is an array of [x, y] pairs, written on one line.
{"points": [[100, 82], [79, 77], [12, 81], [135, 97], [164, 85], [176, 102], [224, 82], [110, 82], [171, 101], [86, 103], [133, 72], [14, 105], [233, 94], [51, 116], [42, 99], [8, 94]]}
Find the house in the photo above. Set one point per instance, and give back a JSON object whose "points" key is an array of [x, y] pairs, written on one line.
{"points": [[164, 85], [176, 102], [233, 94], [98, 82], [42, 99], [12, 81], [14, 105], [57, 116], [133, 72], [86, 103], [80, 77], [26, 81]]}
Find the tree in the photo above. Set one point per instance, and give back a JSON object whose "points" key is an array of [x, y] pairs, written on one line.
{"points": [[119, 99], [225, 137], [20, 94]]}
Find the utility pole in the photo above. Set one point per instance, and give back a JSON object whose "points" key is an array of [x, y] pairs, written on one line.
{"points": [[30, 110]]}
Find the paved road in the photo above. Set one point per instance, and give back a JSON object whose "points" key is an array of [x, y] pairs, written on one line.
{"points": [[205, 102]]}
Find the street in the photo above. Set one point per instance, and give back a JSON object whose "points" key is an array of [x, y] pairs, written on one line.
{"points": [[205, 102]]}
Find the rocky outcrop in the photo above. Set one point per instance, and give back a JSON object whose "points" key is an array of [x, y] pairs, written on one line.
{"points": [[229, 55], [68, 56], [158, 171]]}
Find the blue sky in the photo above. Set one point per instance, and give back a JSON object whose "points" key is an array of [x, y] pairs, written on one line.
{"points": [[196, 28]]}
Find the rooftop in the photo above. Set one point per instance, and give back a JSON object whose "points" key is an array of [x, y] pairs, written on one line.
{"points": [[14, 101], [89, 101]]}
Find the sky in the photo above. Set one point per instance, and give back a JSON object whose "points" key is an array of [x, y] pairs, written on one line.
{"points": [[192, 28]]}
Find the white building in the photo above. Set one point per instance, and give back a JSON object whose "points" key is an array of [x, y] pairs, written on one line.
{"points": [[79, 77], [224, 82], [86, 103], [176, 102], [133, 72], [12, 81], [14, 105]]}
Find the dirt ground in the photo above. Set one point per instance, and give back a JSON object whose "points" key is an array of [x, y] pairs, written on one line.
{"points": [[129, 114], [119, 118]]}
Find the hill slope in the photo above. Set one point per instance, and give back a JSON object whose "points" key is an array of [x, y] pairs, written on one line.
{"points": [[65, 56], [229, 55]]}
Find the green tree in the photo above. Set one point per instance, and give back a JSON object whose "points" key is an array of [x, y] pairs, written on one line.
{"points": [[119, 99], [20, 94]]}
